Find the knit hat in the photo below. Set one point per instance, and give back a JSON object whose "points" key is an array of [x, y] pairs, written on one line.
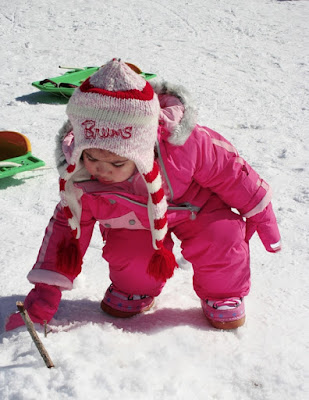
{"points": [[117, 110]]}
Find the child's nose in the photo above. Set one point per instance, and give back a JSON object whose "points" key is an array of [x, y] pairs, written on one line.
{"points": [[103, 169]]}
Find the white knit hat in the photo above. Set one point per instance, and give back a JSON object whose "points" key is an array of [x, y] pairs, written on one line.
{"points": [[117, 110]]}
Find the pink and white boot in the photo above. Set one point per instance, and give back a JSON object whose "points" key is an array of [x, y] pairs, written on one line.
{"points": [[226, 313], [123, 305]]}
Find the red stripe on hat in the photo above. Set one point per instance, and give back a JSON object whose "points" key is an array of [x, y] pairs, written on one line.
{"points": [[67, 212], [151, 176], [160, 223], [146, 94], [71, 168], [157, 196], [62, 183]]}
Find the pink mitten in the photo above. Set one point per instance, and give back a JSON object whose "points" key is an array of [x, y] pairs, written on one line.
{"points": [[266, 226], [14, 321], [41, 304]]}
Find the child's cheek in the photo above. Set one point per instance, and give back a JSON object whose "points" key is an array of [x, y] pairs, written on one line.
{"points": [[89, 167]]}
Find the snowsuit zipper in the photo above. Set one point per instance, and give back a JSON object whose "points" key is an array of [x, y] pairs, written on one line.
{"points": [[186, 206]]}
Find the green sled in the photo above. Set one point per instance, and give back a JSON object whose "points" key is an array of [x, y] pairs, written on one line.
{"points": [[66, 84]]}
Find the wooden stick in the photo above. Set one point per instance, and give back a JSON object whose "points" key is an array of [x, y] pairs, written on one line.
{"points": [[31, 329]]}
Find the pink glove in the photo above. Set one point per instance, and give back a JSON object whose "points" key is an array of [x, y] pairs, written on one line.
{"points": [[41, 304], [266, 226]]}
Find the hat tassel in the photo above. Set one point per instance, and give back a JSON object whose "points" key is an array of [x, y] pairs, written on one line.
{"points": [[162, 264], [69, 257]]}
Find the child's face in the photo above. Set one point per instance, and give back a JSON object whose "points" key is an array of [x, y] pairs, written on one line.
{"points": [[107, 167]]}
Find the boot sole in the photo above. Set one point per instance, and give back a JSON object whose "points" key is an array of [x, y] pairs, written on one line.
{"points": [[227, 325], [123, 314]]}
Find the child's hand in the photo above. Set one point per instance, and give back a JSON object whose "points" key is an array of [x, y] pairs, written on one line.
{"points": [[41, 304], [266, 226]]}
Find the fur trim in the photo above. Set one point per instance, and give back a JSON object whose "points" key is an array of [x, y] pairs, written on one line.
{"points": [[181, 133], [60, 158]]}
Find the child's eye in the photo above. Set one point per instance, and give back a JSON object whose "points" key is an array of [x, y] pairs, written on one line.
{"points": [[118, 165], [89, 158]]}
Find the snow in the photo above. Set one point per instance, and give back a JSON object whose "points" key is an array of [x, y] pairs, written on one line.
{"points": [[246, 65]]}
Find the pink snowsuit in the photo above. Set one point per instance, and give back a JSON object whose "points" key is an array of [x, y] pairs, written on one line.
{"points": [[204, 179]]}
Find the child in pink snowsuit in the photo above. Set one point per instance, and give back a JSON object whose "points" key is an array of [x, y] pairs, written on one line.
{"points": [[132, 158]]}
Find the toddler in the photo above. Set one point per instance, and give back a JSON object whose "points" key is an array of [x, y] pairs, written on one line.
{"points": [[132, 158]]}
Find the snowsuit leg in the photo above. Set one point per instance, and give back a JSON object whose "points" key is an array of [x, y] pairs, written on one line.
{"points": [[215, 245], [128, 253]]}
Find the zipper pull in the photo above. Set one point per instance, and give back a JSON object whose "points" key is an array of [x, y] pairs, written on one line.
{"points": [[193, 216]]}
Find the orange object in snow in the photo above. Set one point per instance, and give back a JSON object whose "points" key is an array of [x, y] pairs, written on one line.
{"points": [[15, 154]]}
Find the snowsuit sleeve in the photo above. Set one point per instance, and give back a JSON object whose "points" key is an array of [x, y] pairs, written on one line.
{"points": [[221, 169], [58, 233]]}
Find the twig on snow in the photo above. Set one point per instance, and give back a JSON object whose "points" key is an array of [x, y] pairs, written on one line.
{"points": [[31, 329]]}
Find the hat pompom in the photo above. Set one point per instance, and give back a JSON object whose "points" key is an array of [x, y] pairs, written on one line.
{"points": [[69, 257], [162, 264]]}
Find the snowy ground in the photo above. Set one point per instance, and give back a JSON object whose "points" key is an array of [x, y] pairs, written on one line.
{"points": [[246, 64]]}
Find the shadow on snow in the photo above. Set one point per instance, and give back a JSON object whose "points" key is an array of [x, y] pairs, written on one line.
{"points": [[74, 313]]}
